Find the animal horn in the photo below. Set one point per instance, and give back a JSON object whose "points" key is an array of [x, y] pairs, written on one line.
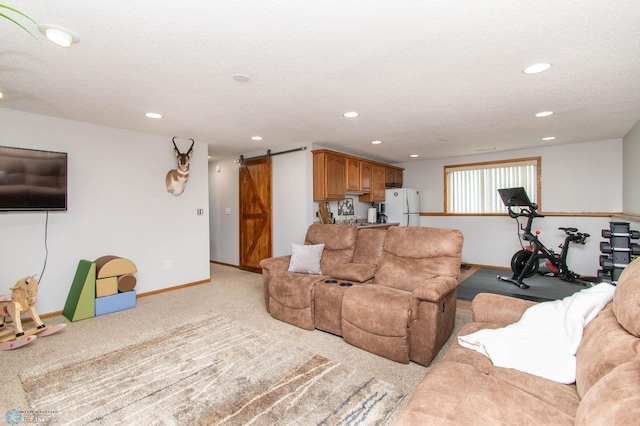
{"points": [[191, 147], [174, 143]]}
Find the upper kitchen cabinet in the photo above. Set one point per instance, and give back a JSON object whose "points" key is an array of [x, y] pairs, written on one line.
{"points": [[358, 175], [393, 177], [366, 170], [329, 172], [335, 175], [377, 194], [353, 180]]}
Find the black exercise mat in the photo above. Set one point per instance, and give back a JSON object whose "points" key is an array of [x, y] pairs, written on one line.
{"points": [[542, 288]]}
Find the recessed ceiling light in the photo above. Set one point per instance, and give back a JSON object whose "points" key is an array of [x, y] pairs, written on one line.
{"points": [[376, 142], [536, 68], [153, 115], [256, 138], [544, 114], [549, 138], [351, 114], [60, 36], [414, 156], [241, 78], [1, 96]]}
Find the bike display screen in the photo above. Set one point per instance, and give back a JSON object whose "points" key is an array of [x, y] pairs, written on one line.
{"points": [[514, 197]]}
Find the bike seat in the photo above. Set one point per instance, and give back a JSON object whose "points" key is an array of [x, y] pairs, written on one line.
{"points": [[567, 230]]}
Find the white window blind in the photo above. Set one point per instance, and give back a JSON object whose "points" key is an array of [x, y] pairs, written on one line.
{"points": [[473, 188]]}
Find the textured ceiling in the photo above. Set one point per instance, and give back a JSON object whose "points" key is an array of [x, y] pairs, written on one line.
{"points": [[434, 78]]}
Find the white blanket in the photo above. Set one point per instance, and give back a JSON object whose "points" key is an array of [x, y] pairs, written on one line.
{"points": [[545, 340]]}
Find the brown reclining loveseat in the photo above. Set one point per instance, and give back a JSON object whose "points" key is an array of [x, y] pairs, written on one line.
{"points": [[390, 292]]}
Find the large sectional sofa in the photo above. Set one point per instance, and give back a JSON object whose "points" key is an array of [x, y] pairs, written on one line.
{"points": [[387, 291], [466, 388]]}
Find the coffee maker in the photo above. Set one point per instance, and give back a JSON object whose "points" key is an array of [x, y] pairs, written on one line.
{"points": [[382, 218]]}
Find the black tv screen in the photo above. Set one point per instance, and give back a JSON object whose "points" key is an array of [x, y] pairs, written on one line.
{"points": [[32, 180]]}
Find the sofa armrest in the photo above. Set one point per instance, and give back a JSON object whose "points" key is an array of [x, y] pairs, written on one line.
{"points": [[432, 317], [270, 265], [498, 309], [357, 272], [434, 289], [280, 263]]}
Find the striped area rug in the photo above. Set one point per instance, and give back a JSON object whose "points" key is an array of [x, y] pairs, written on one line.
{"points": [[211, 372]]}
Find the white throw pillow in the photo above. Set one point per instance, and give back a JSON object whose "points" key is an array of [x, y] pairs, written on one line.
{"points": [[306, 258]]}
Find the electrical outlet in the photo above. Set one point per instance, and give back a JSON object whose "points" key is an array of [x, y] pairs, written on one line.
{"points": [[200, 212], [227, 211], [167, 264]]}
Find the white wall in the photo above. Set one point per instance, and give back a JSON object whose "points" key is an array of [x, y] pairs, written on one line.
{"points": [[631, 177], [585, 177], [117, 205], [223, 207], [292, 202], [580, 178], [631, 167], [292, 199]]}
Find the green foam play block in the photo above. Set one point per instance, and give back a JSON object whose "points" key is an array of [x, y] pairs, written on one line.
{"points": [[81, 299]]}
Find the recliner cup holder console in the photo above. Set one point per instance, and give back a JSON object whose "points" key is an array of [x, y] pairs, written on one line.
{"points": [[343, 284]]}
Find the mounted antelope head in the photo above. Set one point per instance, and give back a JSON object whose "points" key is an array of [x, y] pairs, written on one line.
{"points": [[177, 178]]}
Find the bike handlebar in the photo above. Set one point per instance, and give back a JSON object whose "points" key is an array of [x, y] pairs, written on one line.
{"points": [[574, 232], [530, 212], [525, 212], [569, 230]]}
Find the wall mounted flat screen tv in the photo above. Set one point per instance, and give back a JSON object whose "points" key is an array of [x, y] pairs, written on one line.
{"points": [[32, 180]]}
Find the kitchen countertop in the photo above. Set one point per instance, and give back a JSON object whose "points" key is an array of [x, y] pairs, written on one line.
{"points": [[370, 225], [377, 225]]}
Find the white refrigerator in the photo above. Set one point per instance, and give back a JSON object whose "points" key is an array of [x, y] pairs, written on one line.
{"points": [[402, 205]]}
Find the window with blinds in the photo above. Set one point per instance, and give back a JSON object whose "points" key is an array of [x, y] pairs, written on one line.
{"points": [[473, 188]]}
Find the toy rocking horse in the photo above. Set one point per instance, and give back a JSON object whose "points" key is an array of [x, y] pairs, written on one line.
{"points": [[23, 299]]}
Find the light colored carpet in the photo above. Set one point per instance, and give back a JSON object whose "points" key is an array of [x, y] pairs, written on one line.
{"points": [[210, 372], [232, 293]]}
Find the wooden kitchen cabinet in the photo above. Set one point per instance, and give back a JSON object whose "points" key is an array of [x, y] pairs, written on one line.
{"points": [[353, 181], [393, 178], [366, 170], [335, 175], [329, 172], [378, 181]]}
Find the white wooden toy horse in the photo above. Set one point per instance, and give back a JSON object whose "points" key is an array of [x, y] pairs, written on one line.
{"points": [[24, 296]]}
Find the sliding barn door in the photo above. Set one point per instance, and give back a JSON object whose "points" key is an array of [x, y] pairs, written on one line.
{"points": [[255, 213]]}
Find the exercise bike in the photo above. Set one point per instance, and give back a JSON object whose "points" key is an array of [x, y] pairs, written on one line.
{"points": [[526, 262]]}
